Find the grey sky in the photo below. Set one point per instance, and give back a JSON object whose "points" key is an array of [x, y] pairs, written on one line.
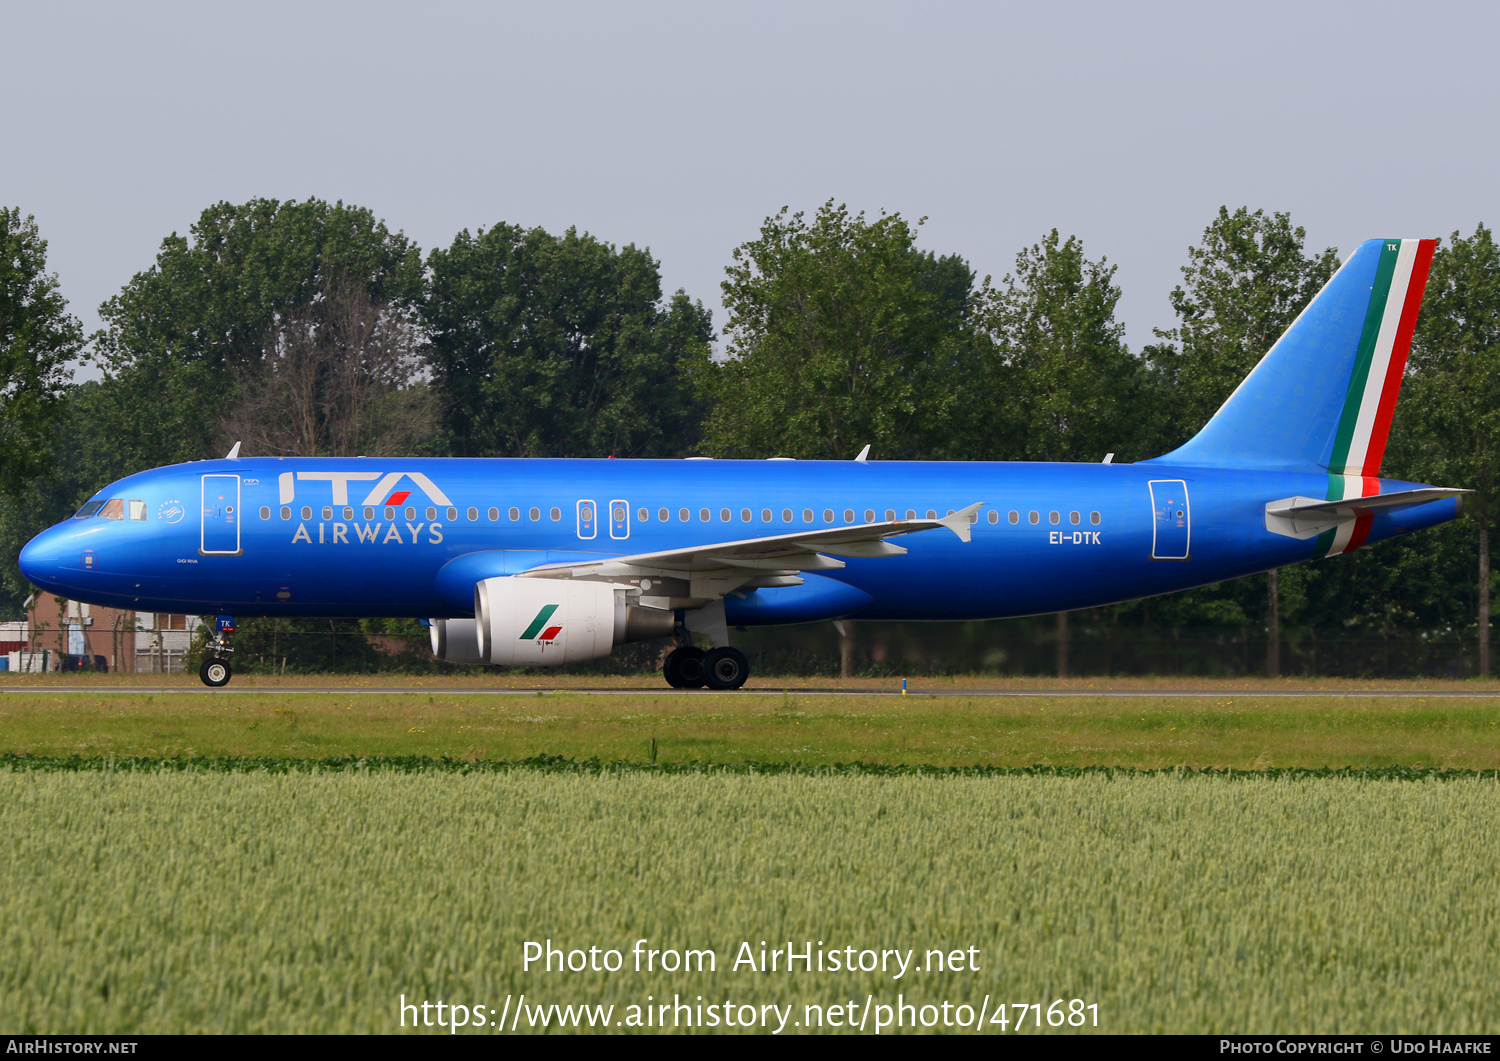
{"points": [[681, 126]]}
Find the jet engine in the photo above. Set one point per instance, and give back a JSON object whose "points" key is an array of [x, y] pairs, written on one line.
{"points": [[546, 622], [454, 640]]}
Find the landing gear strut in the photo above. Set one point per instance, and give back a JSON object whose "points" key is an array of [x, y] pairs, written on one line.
{"points": [[216, 671]]}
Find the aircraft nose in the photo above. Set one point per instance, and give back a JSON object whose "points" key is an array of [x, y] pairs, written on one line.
{"points": [[39, 558]]}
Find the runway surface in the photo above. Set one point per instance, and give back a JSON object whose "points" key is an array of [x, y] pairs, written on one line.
{"points": [[1123, 694]]}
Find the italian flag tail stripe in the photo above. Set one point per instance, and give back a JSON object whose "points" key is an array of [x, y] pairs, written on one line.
{"points": [[1379, 364], [1347, 537], [1395, 299]]}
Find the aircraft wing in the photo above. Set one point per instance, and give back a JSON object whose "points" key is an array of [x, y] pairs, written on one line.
{"points": [[1307, 517], [708, 572]]}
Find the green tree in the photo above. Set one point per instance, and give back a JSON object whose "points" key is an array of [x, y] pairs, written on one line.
{"points": [[38, 337], [1448, 426], [840, 334], [1059, 384], [1055, 381], [561, 346], [177, 331], [1242, 288]]}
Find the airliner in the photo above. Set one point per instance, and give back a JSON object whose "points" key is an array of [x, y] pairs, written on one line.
{"points": [[543, 562]]}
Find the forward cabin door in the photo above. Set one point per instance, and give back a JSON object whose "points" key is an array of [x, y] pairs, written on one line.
{"points": [[1172, 524], [220, 534]]}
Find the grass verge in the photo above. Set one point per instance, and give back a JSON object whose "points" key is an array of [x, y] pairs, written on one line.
{"points": [[1239, 731]]}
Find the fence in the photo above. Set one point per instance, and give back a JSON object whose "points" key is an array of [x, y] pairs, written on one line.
{"points": [[1008, 647]]}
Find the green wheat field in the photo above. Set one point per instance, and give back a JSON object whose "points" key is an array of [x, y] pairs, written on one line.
{"points": [[298, 864]]}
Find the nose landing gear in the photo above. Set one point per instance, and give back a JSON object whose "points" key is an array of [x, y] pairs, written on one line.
{"points": [[216, 671]]}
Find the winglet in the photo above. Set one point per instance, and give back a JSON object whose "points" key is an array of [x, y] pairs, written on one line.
{"points": [[234, 453], [959, 522], [864, 454]]}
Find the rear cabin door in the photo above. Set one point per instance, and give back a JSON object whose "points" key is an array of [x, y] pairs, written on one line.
{"points": [[221, 516], [1173, 520]]}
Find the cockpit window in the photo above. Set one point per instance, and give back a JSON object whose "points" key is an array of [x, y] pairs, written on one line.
{"points": [[114, 508], [90, 509], [137, 509]]}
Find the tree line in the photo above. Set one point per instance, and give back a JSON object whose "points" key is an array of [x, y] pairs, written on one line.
{"points": [[310, 328]]}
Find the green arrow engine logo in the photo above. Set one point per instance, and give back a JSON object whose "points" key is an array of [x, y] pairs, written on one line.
{"points": [[540, 621]]}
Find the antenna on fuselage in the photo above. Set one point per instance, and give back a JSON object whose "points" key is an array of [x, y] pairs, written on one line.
{"points": [[1108, 458], [234, 452], [864, 454]]}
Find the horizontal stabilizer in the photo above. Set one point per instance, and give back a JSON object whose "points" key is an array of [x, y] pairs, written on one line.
{"points": [[1307, 517]]}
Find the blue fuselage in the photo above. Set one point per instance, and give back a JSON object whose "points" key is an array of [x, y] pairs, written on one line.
{"points": [[308, 537]]}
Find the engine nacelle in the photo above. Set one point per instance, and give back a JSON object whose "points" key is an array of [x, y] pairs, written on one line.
{"points": [[546, 622], [455, 640]]}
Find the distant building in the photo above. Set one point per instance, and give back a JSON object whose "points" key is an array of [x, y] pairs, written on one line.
{"points": [[69, 635]]}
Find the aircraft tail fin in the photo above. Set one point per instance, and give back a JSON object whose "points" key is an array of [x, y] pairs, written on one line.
{"points": [[1323, 396]]}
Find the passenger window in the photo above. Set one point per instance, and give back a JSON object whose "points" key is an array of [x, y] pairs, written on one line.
{"points": [[411, 512], [556, 514], [931, 514], [643, 515], [535, 514], [1053, 518], [848, 515], [745, 515], [431, 513], [725, 515], [1073, 518], [1034, 517], [473, 515], [890, 515], [114, 508], [514, 514], [786, 515], [1014, 517], [327, 512], [828, 515], [453, 514], [994, 516], [807, 515], [390, 513], [705, 515], [265, 512], [1094, 518], [91, 508], [370, 512], [494, 514], [911, 514], [869, 515], [286, 511], [663, 515], [306, 512], [765, 515], [138, 510]]}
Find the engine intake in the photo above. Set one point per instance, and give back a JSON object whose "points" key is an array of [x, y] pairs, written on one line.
{"points": [[545, 622]]}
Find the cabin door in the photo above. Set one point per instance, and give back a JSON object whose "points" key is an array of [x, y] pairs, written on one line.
{"points": [[220, 534], [1172, 521]]}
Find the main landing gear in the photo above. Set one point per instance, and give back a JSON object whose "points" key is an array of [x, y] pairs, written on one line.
{"points": [[216, 671], [687, 667]]}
